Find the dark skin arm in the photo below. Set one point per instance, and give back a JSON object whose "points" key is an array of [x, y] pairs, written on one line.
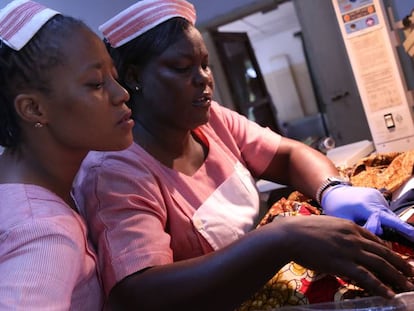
{"points": [[299, 166], [222, 280]]}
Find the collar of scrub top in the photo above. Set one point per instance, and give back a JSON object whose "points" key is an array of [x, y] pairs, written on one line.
{"points": [[20, 20], [143, 16]]}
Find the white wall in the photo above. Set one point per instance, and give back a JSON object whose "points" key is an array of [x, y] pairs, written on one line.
{"points": [[281, 59]]}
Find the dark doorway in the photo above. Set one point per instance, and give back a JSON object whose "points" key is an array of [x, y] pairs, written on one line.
{"points": [[245, 79]]}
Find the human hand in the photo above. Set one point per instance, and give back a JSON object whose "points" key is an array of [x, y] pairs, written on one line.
{"points": [[364, 206], [342, 248]]}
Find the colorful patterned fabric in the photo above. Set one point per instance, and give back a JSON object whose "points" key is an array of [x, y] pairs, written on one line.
{"points": [[296, 285]]}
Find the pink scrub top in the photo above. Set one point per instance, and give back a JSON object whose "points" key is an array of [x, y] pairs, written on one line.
{"points": [[46, 261], [142, 213]]}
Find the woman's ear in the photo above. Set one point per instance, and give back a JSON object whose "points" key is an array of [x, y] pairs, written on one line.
{"points": [[28, 109], [132, 78]]}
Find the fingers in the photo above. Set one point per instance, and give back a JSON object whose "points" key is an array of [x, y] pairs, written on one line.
{"points": [[389, 266], [375, 245], [364, 258], [373, 224], [342, 248], [391, 220], [376, 276], [363, 278], [377, 268]]}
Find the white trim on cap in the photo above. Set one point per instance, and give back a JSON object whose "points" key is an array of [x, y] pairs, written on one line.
{"points": [[20, 20], [143, 16]]}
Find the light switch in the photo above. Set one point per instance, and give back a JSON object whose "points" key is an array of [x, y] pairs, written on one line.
{"points": [[389, 121]]}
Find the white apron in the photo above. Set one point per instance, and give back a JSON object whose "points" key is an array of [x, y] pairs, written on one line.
{"points": [[230, 211]]}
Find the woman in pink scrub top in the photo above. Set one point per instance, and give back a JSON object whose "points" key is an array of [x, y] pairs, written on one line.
{"points": [[172, 215], [59, 98]]}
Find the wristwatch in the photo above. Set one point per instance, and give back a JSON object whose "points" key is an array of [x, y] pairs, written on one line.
{"points": [[330, 182]]}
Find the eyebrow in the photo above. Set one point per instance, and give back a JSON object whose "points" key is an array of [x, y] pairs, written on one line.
{"points": [[96, 64]]}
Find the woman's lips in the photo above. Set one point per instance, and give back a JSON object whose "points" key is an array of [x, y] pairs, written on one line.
{"points": [[203, 101], [126, 120]]}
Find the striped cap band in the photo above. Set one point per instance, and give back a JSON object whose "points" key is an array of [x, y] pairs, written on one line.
{"points": [[20, 20], [143, 16]]}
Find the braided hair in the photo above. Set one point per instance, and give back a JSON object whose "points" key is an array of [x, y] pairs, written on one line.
{"points": [[28, 69]]}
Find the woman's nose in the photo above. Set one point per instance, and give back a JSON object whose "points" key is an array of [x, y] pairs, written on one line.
{"points": [[119, 94], [202, 76]]}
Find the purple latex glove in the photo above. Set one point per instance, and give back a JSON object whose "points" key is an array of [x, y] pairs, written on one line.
{"points": [[364, 206]]}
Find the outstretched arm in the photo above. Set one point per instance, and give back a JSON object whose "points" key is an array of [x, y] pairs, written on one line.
{"points": [[306, 169], [224, 279], [299, 166]]}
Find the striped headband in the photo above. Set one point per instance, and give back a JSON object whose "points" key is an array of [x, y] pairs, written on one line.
{"points": [[143, 16], [20, 20]]}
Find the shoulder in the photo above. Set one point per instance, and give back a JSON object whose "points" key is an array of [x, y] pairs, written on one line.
{"points": [[59, 235], [224, 118], [127, 167], [219, 111], [105, 177], [118, 161], [36, 211]]}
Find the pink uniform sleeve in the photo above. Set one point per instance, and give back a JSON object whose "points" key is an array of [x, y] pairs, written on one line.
{"points": [[256, 145], [126, 240], [39, 266]]}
